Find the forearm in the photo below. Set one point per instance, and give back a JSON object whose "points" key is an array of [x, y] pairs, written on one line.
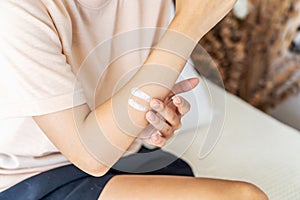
{"points": [[115, 125], [158, 74], [118, 124]]}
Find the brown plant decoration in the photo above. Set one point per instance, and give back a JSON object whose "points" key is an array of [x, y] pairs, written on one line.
{"points": [[257, 57]]}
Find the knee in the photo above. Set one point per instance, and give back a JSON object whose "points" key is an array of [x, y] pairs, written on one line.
{"points": [[251, 192]]}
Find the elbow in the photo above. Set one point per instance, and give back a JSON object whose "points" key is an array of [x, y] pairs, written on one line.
{"points": [[98, 170], [93, 168], [99, 173]]}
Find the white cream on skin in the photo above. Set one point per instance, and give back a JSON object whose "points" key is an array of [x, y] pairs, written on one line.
{"points": [[137, 106], [140, 94]]}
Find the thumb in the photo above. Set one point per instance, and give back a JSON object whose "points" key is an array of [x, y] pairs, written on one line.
{"points": [[185, 85]]}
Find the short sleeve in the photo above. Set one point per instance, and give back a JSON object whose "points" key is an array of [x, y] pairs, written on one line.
{"points": [[35, 78]]}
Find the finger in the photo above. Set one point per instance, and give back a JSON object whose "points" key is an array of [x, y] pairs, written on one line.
{"points": [[158, 140], [155, 140], [169, 114], [159, 124], [147, 132], [185, 85], [183, 106]]}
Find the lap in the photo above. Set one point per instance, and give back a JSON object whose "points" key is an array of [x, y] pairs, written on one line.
{"points": [[69, 182]]}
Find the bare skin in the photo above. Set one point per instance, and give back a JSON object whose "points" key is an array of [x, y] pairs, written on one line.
{"points": [[101, 121], [173, 188]]}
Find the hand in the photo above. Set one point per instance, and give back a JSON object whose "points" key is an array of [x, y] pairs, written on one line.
{"points": [[165, 118]]}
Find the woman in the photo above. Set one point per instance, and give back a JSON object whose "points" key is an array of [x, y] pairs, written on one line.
{"points": [[62, 104]]}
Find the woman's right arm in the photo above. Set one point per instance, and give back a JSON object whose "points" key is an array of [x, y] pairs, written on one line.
{"points": [[95, 140]]}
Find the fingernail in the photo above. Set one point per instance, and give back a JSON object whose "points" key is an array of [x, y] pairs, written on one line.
{"points": [[155, 105], [150, 116], [155, 138], [177, 100]]}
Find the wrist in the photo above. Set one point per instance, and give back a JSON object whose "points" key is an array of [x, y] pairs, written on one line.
{"points": [[188, 25]]}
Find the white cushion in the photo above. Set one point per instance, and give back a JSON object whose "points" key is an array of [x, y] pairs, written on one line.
{"points": [[242, 144], [288, 111]]}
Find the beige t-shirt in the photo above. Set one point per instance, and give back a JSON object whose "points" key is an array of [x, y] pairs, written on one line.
{"points": [[43, 44]]}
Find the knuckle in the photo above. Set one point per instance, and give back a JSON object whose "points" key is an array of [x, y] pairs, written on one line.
{"points": [[161, 107], [168, 131], [174, 118], [179, 126], [160, 144], [188, 108]]}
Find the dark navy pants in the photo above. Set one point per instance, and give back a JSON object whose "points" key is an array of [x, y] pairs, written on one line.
{"points": [[70, 183]]}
